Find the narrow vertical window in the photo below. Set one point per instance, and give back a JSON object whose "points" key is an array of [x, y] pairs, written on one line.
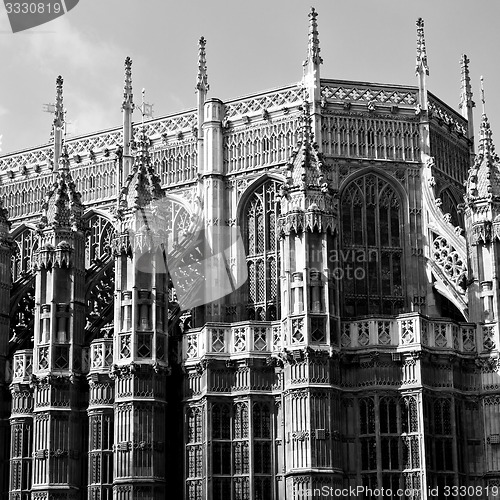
{"points": [[261, 212]]}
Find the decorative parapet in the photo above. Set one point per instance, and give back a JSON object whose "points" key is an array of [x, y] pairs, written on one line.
{"points": [[446, 249], [91, 146], [446, 115], [231, 340], [101, 355], [369, 95], [410, 330], [22, 366], [310, 220], [279, 99]]}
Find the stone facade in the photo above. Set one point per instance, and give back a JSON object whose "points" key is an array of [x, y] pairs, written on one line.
{"points": [[361, 351]]}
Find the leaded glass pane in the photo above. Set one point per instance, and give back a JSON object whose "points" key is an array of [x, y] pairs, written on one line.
{"points": [[371, 228], [262, 252]]}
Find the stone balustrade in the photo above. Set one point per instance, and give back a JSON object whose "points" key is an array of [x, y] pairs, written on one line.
{"points": [[406, 331], [238, 338], [410, 330], [101, 354], [22, 366]]}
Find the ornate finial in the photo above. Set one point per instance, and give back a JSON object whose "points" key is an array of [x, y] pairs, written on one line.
{"points": [[59, 109], [482, 96], [421, 50], [128, 97], [313, 49], [466, 94], [202, 82], [486, 147]]}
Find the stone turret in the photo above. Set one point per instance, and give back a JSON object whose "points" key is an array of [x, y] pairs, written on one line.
{"points": [[58, 435], [140, 339], [482, 217]]}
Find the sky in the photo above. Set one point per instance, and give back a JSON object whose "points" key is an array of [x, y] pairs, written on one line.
{"points": [[251, 46]]}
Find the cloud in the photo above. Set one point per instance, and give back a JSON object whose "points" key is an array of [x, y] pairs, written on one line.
{"points": [[67, 46], [91, 115], [88, 66]]}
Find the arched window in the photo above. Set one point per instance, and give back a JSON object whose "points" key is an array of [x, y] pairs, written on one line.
{"points": [[26, 245], [261, 211], [372, 247], [99, 239]]}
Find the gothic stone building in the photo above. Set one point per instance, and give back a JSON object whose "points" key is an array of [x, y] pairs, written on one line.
{"points": [[362, 350]]}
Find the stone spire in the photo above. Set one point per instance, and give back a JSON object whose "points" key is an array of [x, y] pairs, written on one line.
{"points": [[486, 148], [311, 80], [422, 71], [58, 122], [466, 103], [421, 67], [128, 96], [313, 49], [201, 91], [202, 80], [62, 207], [484, 177], [125, 162], [421, 64]]}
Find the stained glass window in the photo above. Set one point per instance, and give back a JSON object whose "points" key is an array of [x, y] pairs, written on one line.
{"points": [[372, 247], [26, 244], [263, 262], [194, 453], [99, 239]]}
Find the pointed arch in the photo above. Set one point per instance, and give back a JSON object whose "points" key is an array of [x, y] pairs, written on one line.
{"points": [[25, 246], [257, 214], [99, 237], [373, 217]]}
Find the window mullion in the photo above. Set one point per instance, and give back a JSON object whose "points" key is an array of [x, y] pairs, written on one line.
{"points": [[378, 440], [251, 456]]}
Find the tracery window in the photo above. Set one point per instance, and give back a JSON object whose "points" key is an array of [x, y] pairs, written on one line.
{"points": [[26, 244], [194, 453], [21, 459], [439, 441], [388, 428], [99, 239], [101, 455], [372, 247], [241, 450], [263, 261]]}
